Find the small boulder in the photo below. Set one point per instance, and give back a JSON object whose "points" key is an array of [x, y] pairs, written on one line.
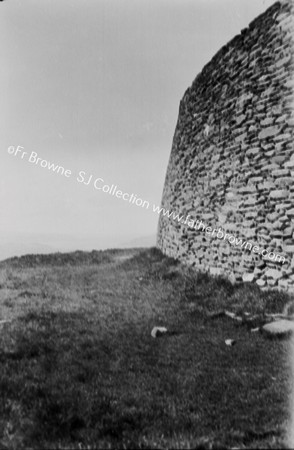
{"points": [[248, 277], [158, 332], [278, 328], [230, 342]]}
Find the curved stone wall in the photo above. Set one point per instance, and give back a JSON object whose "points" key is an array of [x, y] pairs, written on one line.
{"points": [[232, 160]]}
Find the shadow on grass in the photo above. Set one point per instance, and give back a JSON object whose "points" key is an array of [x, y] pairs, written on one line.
{"points": [[74, 386]]}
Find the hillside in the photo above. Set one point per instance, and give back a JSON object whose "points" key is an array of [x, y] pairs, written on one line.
{"points": [[79, 368]]}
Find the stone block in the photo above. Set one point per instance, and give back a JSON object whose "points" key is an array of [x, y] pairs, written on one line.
{"points": [[280, 173], [288, 248], [289, 164], [273, 273], [215, 271], [248, 277], [268, 132], [283, 61], [290, 212], [279, 194], [283, 137]]}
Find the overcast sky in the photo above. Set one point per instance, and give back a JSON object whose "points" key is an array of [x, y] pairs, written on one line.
{"points": [[95, 85]]}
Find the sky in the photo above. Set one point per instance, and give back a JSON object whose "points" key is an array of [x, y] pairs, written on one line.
{"points": [[95, 86]]}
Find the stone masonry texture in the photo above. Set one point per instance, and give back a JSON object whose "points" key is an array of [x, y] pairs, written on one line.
{"points": [[232, 159]]}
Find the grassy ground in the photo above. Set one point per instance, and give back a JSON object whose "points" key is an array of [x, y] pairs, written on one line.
{"points": [[79, 368]]}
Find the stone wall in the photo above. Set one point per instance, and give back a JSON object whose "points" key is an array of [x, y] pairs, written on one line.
{"points": [[232, 159]]}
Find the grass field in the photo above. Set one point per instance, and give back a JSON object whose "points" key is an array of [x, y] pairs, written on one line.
{"points": [[80, 370]]}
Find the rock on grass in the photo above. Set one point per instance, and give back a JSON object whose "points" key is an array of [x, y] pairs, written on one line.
{"points": [[278, 328]]}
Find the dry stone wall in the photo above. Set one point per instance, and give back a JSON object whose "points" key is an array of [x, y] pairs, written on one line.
{"points": [[232, 159]]}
